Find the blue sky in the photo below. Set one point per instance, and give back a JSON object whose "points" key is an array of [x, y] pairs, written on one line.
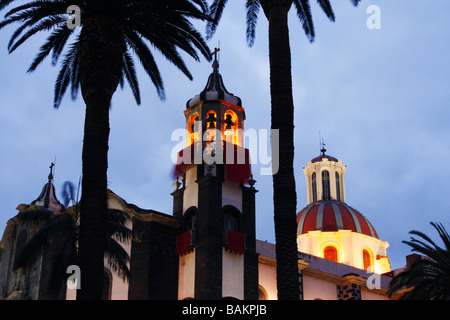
{"points": [[379, 98]]}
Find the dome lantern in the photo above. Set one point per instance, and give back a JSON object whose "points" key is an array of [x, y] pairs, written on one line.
{"points": [[325, 178], [329, 228]]}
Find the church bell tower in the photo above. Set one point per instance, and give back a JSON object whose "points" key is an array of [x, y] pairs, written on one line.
{"points": [[215, 200]]}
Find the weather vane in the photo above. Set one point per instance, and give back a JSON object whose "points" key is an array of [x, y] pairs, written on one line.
{"points": [[322, 144]]}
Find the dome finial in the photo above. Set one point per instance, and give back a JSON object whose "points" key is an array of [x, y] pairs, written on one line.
{"points": [[322, 147]]}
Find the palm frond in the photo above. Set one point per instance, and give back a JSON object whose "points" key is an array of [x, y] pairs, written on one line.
{"points": [[304, 15], [45, 24], [130, 74], [148, 62], [252, 7], [68, 68], [55, 42], [35, 216], [117, 258], [428, 277], [216, 11], [68, 193], [443, 234], [5, 3], [355, 2], [326, 7], [203, 5]]}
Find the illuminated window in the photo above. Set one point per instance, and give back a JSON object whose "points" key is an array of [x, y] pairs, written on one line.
{"points": [[330, 253], [211, 120], [326, 185], [211, 126], [367, 259], [314, 186], [338, 187], [230, 125], [262, 294], [193, 127]]}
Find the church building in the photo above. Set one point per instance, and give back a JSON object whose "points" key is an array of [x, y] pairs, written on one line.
{"points": [[207, 247]]}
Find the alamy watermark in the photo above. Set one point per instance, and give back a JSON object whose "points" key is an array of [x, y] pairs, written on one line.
{"points": [[74, 280], [74, 20], [374, 280], [374, 20], [212, 150]]}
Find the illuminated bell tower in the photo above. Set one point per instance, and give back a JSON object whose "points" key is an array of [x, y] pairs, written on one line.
{"points": [[215, 202]]}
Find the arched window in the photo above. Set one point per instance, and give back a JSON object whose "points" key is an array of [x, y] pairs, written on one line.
{"points": [[193, 127], [231, 219], [326, 185], [314, 186], [330, 253], [338, 186], [211, 120], [20, 245], [190, 219], [230, 120], [209, 136], [230, 125], [107, 281], [367, 259], [262, 294]]}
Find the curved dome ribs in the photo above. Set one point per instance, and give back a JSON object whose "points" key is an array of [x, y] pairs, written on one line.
{"points": [[333, 216]]}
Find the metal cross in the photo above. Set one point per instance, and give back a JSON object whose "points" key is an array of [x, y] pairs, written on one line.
{"points": [[216, 50]]}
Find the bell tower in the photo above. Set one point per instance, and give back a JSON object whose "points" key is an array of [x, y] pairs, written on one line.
{"points": [[215, 200]]}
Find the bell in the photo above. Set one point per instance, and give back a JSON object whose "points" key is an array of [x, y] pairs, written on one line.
{"points": [[211, 120], [228, 122]]}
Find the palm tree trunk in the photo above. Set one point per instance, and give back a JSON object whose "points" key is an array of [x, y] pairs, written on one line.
{"points": [[99, 78], [285, 198], [93, 200]]}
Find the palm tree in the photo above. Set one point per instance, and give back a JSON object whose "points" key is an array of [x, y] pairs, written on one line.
{"points": [[62, 230], [282, 115], [427, 278], [98, 59]]}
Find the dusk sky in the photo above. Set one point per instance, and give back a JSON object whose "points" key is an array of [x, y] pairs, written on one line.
{"points": [[379, 98]]}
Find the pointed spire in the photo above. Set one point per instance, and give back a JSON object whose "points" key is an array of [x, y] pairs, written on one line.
{"points": [[47, 198], [215, 89]]}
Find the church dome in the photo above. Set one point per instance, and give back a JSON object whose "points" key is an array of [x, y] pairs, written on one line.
{"points": [[324, 156], [333, 216]]}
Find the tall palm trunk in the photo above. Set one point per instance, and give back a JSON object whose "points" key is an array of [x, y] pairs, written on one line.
{"points": [[285, 198], [98, 84]]}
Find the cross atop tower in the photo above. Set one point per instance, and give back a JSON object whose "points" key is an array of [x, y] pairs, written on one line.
{"points": [[50, 176], [215, 52], [216, 62]]}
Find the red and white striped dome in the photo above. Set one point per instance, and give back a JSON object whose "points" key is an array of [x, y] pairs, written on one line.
{"points": [[333, 216]]}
